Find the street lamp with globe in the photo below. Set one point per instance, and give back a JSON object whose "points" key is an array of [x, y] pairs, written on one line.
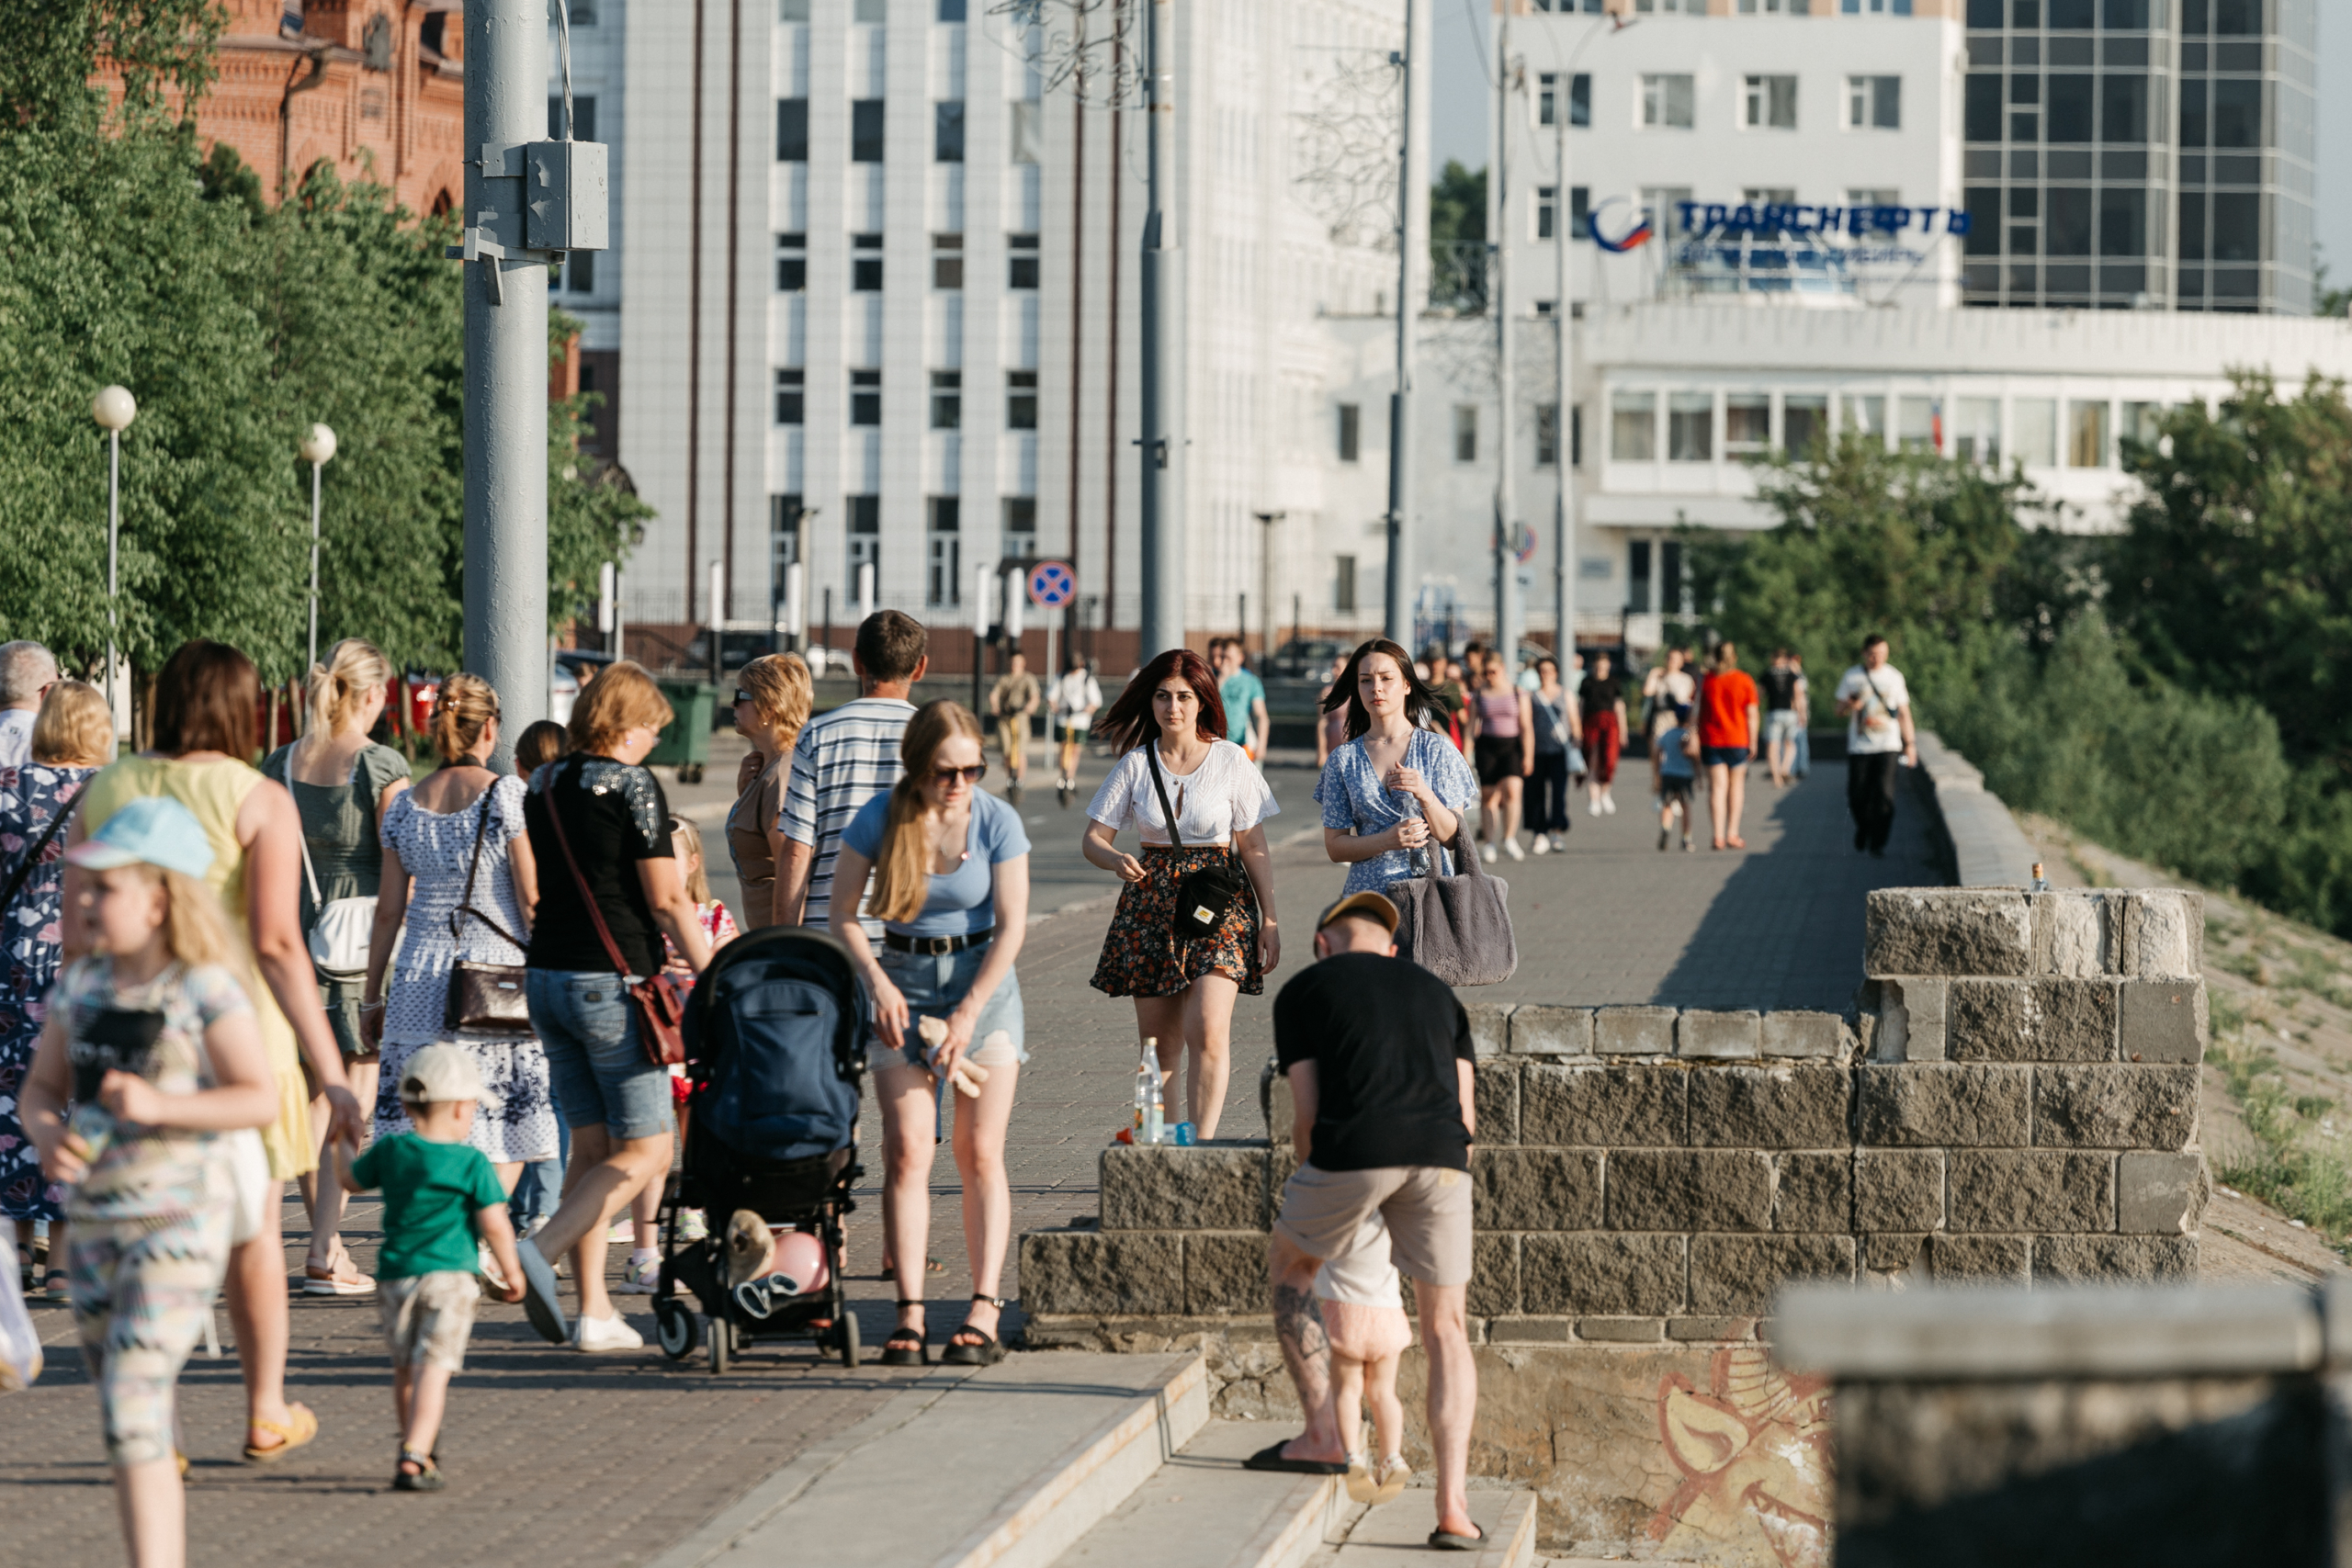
{"points": [[114, 408], [317, 450]]}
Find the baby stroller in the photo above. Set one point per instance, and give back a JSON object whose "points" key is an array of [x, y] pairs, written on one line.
{"points": [[774, 1037]]}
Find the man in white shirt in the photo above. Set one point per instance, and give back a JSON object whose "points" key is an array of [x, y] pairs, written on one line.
{"points": [[1073, 699], [1878, 735], [27, 672]]}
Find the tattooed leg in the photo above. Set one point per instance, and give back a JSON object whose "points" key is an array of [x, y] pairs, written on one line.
{"points": [[1307, 1350]]}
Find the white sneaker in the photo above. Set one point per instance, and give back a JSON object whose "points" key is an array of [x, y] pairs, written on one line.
{"points": [[1560, 843], [1609, 805], [1510, 848], [1593, 806], [640, 1277], [691, 1226], [1542, 846], [598, 1334], [1487, 853]]}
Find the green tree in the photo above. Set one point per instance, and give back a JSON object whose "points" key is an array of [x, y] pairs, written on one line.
{"points": [[1458, 239]]}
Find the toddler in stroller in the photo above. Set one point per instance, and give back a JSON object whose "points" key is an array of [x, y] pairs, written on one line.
{"points": [[774, 1040]]}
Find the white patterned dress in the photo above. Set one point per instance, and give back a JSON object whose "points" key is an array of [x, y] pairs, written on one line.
{"points": [[516, 1119]]}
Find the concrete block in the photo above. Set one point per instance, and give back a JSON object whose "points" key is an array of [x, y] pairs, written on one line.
{"points": [[2070, 934], [1634, 1031], [1280, 1110], [1622, 1330], [1710, 1330], [1911, 1019], [1689, 1189], [1209, 1187], [1094, 1272], [2163, 933], [2160, 1194], [1899, 1189], [2031, 1020], [1784, 1106], [1738, 1274], [1615, 1107], [2115, 1107], [1550, 1031], [2029, 1189], [1604, 1275], [1894, 1253], [1535, 1190], [1489, 1028], [1530, 1331], [2165, 1021], [1224, 1274], [1940, 1105], [1796, 1033], [2113, 1260], [1494, 1276], [1945, 930], [1814, 1192], [1716, 1035], [1980, 1259], [1496, 1095]]}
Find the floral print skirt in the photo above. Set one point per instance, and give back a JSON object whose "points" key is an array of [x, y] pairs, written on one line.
{"points": [[1143, 956]]}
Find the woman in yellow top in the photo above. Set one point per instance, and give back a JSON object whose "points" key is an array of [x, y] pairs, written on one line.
{"points": [[206, 713]]}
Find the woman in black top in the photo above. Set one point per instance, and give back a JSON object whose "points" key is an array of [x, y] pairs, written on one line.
{"points": [[1601, 702], [615, 824]]}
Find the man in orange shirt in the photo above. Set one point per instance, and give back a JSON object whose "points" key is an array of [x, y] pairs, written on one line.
{"points": [[1728, 731]]}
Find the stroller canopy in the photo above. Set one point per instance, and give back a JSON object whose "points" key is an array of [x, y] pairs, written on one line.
{"points": [[776, 1031]]}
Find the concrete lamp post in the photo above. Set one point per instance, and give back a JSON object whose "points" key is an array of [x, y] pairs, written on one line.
{"points": [[114, 408], [317, 450]]}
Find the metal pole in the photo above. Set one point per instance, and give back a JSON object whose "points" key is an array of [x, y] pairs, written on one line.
{"points": [[1564, 419], [114, 527], [507, 365], [1412, 241], [1506, 606], [313, 657], [1162, 558], [1266, 521]]}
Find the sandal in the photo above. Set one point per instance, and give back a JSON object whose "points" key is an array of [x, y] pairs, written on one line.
{"points": [[299, 1428], [55, 1286], [988, 1352], [896, 1351], [340, 1277], [427, 1475]]}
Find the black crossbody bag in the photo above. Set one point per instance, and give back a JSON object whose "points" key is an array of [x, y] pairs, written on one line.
{"points": [[1204, 897]]}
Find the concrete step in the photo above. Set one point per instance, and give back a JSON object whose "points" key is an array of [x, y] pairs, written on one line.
{"points": [[1003, 1467], [1397, 1535], [1203, 1510]]}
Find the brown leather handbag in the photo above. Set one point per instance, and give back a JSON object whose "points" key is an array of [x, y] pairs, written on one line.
{"points": [[484, 999], [658, 1000]]}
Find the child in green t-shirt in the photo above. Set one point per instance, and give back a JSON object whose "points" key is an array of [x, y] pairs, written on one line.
{"points": [[440, 1196]]}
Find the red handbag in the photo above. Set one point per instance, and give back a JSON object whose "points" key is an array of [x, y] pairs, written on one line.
{"points": [[658, 1000]]}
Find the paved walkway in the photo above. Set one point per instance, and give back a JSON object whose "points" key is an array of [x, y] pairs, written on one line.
{"points": [[557, 1457]]}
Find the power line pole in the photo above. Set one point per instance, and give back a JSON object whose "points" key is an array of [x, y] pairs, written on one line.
{"points": [[1162, 558], [1508, 612], [1412, 244]]}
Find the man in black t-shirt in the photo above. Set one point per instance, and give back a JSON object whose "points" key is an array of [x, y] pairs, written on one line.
{"points": [[1378, 1055]]}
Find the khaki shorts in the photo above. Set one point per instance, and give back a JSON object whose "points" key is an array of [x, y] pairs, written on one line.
{"points": [[428, 1318], [1426, 1208], [1363, 1275]]}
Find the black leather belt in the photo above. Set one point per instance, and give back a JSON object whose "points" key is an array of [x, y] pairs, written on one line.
{"points": [[934, 946]]}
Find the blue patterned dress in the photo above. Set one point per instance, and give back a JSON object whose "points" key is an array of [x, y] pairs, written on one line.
{"points": [[31, 949]]}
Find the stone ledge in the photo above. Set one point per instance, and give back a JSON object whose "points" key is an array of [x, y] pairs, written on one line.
{"points": [[1216, 1186]]}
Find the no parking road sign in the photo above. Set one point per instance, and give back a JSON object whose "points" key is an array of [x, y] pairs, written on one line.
{"points": [[1052, 584]]}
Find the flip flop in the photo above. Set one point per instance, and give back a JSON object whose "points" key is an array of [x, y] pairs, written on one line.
{"points": [[1446, 1541], [542, 1299], [1271, 1457], [299, 1428]]}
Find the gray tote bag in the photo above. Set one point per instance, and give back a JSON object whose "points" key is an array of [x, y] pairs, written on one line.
{"points": [[1457, 927]]}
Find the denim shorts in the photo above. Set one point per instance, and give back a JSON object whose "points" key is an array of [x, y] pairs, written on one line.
{"points": [[595, 1064], [933, 986], [1724, 756], [1782, 725]]}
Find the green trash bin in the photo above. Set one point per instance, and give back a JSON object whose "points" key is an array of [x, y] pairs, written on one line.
{"points": [[685, 742]]}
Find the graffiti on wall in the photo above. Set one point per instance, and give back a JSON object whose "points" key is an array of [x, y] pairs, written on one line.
{"points": [[1753, 1449]]}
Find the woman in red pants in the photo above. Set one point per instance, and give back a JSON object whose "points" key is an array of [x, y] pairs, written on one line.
{"points": [[1602, 701]]}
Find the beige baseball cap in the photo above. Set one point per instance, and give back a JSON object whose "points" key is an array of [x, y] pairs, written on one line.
{"points": [[1371, 906], [439, 1072]]}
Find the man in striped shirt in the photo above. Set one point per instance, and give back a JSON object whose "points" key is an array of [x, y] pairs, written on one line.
{"points": [[844, 759]]}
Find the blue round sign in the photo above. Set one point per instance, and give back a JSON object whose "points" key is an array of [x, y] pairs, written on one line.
{"points": [[1052, 584]]}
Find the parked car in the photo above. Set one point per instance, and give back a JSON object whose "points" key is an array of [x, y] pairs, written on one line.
{"points": [[1309, 658]]}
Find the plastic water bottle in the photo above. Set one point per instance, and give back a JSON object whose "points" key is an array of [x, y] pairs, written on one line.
{"points": [[1185, 1137], [1146, 1088], [2040, 883], [1155, 1116]]}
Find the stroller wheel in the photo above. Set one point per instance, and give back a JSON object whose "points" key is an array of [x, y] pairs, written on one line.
{"points": [[677, 1329], [848, 1337], [722, 1345]]}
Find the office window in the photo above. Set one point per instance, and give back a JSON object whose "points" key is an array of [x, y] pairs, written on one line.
{"points": [[1875, 103], [791, 402], [2238, 226], [865, 129], [2086, 435], [792, 130], [784, 541], [1669, 578], [791, 263], [584, 117], [947, 132], [1669, 102], [1028, 121], [947, 261], [1633, 427], [1774, 7], [1664, 205], [792, 10], [2122, 107], [576, 273], [1976, 431], [1863, 415], [1575, 436], [2192, 114], [865, 263], [2070, 106], [1637, 576], [864, 541], [1021, 525], [1580, 212], [2034, 431], [1914, 423], [1343, 584], [1983, 208], [951, 10], [865, 397], [946, 400], [1020, 399], [2071, 13], [1466, 433], [1022, 261], [1351, 432], [1690, 427], [1748, 425], [1770, 102], [943, 552], [2237, 113], [871, 11], [2069, 225], [1805, 423], [1981, 107], [1548, 435], [1547, 219], [1546, 199], [2123, 221], [1547, 99]]}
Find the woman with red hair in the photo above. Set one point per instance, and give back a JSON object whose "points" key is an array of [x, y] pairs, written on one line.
{"points": [[1171, 724]]}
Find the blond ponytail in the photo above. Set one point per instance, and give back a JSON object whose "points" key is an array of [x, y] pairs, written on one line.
{"points": [[903, 868], [338, 689]]}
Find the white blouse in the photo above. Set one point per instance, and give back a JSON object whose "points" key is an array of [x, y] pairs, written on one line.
{"points": [[1225, 795]]}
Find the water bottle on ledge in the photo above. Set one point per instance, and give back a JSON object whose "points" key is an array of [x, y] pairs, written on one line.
{"points": [[2041, 884], [1147, 1092], [1155, 1120]]}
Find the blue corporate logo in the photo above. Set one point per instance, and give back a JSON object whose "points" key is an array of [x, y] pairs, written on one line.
{"points": [[1641, 232], [1775, 218]]}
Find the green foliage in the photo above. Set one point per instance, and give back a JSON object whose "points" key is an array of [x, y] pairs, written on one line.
{"points": [[592, 517], [2304, 1183], [54, 46], [1458, 206]]}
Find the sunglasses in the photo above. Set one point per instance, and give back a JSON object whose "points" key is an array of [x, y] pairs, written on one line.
{"points": [[973, 774], [744, 696]]}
